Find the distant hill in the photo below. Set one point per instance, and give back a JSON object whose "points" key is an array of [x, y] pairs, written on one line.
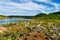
{"points": [[55, 15], [44, 15], [41, 14], [20, 17]]}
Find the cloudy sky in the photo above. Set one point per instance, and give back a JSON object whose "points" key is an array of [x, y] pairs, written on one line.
{"points": [[28, 7]]}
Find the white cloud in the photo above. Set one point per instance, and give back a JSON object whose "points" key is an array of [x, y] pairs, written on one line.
{"points": [[27, 8], [43, 0], [50, 3]]}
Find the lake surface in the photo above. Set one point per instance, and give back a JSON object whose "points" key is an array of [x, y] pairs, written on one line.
{"points": [[7, 21]]}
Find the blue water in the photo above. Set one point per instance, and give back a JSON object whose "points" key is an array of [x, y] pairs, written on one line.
{"points": [[7, 21]]}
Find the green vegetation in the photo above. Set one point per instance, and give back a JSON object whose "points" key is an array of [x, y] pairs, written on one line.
{"points": [[46, 23]]}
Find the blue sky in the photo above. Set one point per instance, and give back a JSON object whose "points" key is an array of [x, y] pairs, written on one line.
{"points": [[28, 7]]}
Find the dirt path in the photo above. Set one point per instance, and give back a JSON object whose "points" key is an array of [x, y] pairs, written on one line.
{"points": [[35, 36]]}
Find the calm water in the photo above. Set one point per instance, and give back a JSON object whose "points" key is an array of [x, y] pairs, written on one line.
{"points": [[7, 21]]}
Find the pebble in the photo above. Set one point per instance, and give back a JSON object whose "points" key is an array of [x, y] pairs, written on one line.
{"points": [[59, 33], [53, 36]]}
